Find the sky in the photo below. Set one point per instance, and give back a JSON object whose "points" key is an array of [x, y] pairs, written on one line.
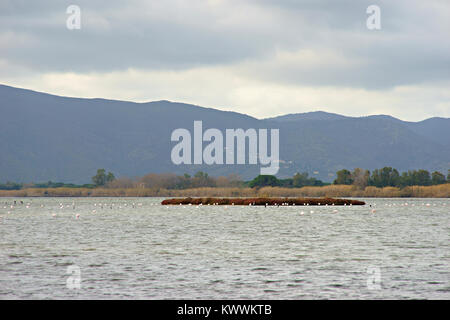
{"points": [[259, 57]]}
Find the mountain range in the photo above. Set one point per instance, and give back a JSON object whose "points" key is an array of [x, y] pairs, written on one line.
{"points": [[47, 137]]}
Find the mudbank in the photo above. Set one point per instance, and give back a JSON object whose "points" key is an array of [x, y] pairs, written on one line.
{"points": [[263, 201]]}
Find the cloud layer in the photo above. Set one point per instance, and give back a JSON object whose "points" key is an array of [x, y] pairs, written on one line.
{"points": [[263, 58]]}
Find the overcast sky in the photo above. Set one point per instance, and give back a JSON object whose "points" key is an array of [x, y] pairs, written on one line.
{"points": [[259, 57]]}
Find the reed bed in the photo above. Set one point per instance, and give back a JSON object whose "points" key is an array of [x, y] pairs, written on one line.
{"points": [[437, 191]]}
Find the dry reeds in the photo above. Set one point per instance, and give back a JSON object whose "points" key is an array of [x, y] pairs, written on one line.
{"points": [[437, 191]]}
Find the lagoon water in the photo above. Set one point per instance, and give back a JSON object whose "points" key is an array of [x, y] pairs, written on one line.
{"points": [[149, 251]]}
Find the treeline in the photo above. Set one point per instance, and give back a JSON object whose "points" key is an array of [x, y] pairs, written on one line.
{"points": [[359, 178], [99, 180], [380, 178], [18, 186], [11, 186], [172, 181], [201, 179], [297, 181], [390, 177]]}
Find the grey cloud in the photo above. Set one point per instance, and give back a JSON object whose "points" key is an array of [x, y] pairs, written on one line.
{"points": [[116, 36], [124, 43]]}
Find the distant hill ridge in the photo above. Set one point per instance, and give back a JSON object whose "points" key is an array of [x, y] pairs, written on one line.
{"points": [[314, 115], [47, 137]]}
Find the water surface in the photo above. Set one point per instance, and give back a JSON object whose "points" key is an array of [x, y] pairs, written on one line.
{"points": [[134, 248]]}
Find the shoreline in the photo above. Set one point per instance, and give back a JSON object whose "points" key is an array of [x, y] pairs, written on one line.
{"points": [[330, 191]]}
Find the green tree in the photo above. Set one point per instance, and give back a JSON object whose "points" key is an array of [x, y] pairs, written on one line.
{"points": [[201, 175], [405, 179], [421, 178], [300, 180], [437, 178], [264, 181], [343, 177], [110, 177], [385, 177], [101, 178]]}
